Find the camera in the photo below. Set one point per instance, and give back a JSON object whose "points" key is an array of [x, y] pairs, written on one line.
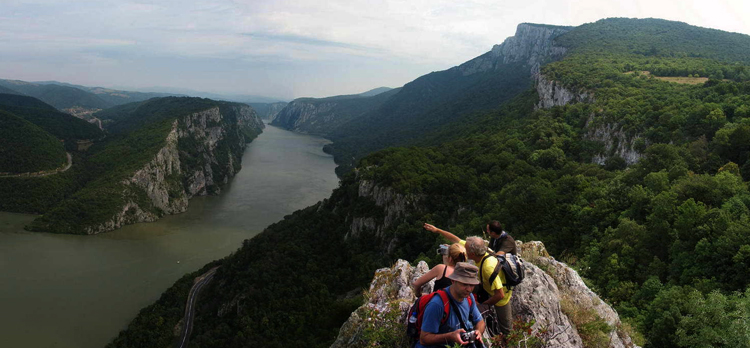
{"points": [[470, 336], [443, 249]]}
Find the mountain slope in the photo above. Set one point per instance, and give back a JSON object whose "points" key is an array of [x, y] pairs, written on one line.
{"points": [[25, 147], [61, 97], [321, 115], [61, 125], [663, 239], [439, 98]]}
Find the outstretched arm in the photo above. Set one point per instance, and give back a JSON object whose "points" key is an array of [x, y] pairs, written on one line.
{"points": [[449, 236], [433, 273]]}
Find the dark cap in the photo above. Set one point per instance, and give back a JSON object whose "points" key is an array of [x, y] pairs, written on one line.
{"points": [[466, 273]]}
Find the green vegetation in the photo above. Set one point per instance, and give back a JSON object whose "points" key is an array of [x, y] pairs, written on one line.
{"points": [[61, 97], [25, 147], [94, 190], [60, 125], [666, 241]]}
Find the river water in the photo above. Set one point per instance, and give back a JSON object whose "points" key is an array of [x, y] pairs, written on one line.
{"points": [[79, 291]]}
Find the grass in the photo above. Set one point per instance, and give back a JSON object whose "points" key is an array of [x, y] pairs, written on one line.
{"points": [[675, 79]]}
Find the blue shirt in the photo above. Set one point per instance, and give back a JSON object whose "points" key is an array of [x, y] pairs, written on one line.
{"points": [[433, 314]]}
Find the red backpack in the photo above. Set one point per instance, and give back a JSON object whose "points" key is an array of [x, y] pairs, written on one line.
{"points": [[416, 312]]}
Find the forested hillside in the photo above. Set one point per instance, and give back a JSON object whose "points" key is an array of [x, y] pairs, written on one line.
{"points": [[665, 239], [157, 155], [25, 147]]}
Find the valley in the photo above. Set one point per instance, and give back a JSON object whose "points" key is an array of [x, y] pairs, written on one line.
{"points": [[79, 291]]}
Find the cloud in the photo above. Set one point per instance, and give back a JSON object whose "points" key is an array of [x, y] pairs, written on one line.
{"points": [[308, 44]]}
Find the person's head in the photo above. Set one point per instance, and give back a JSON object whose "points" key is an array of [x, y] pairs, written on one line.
{"points": [[494, 228], [475, 248], [463, 279], [456, 254]]}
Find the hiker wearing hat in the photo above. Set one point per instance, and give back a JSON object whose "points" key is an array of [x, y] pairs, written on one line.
{"points": [[491, 293], [464, 324]]}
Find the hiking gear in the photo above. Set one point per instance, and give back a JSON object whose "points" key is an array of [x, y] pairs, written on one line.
{"points": [[513, 268], [416, 313], [466, 273], [511, 265], [473, 343]]}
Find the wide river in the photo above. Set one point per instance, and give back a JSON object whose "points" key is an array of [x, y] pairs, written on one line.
{"points": [[80, 291]]}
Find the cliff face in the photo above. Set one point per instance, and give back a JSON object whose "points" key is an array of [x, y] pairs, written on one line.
{"points": [[552, 93], [202, 152], [305, 116], [532, 45], [394, 206], [616, 142], [551, 295]]}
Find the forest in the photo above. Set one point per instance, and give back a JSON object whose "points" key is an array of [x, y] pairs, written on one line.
{"points": [[665, 240]]}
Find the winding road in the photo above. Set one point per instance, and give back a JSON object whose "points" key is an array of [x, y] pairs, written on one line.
{"points": [[190, 306], [43, 173]]}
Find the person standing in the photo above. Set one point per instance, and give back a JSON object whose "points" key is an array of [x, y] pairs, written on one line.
{"points": [[499, 295], [500, 241], [451, 256]]}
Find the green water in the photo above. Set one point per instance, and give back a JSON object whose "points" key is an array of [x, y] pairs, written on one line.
{"points": [[80, 291]]}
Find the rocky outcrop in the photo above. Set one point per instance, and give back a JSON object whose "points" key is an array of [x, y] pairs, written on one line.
{"points": [[273, 111], [189, 164], [616, 142], [547, 284], [394, 206], [570, 287], [552, 93], [304, 115], [532, 45]]}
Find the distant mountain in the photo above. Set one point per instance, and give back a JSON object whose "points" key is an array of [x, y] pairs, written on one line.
{"points": [[268, 111], [322, 116], [239, 98], [112, 96], [61, 97], [58, 124], [430, 102], [375, 91], [6, 90]]}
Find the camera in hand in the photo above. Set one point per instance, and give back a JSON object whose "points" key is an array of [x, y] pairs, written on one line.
{"points": [[470, 336]]}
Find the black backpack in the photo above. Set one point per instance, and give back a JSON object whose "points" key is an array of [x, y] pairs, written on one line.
{"points": [[511, 265]]}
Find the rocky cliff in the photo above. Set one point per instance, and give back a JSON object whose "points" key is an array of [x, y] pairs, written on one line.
{"points": [[320, 116], [532, 45], [615, 141], [202, 151], [553, 296]]}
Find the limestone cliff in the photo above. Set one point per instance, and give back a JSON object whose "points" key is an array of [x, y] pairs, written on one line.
{"points": [[532, 45], [614, 140], [202, 151], [550, 295], [552, 93], [320, 116]]}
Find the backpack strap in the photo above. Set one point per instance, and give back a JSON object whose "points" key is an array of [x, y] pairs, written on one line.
{"points": [[446, 305], [494, 273]]}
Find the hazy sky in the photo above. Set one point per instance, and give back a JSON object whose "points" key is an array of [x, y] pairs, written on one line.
{"points": [[289, 49]]}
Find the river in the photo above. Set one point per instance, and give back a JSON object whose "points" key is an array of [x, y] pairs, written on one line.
{"points": [[79, 291]]}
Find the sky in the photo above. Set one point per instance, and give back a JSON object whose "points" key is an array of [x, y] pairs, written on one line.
{"points": [[289, 49]]}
